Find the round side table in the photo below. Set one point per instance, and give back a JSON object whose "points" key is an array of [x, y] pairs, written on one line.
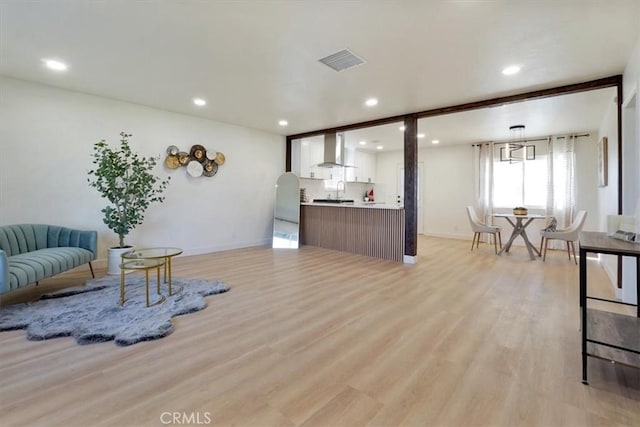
{"points": [[145, 265], [160, 253]]}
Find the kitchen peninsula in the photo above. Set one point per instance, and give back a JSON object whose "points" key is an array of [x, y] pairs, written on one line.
{"points": [[375, 230]]}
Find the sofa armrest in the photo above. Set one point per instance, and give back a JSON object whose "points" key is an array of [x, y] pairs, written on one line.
{"points": [[89, 241], [58, 236], [4, 272]]}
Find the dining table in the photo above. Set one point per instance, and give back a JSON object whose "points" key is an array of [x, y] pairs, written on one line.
{"points": [[520, 224]]}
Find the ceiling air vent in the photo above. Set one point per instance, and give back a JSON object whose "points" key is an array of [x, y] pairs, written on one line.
{"points": [[342, 60]]}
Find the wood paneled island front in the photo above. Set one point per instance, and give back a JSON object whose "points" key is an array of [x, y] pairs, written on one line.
{"points": [[372, 230]]}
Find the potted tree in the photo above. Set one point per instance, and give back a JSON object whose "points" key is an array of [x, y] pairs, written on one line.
{"points": [[125, 180]]}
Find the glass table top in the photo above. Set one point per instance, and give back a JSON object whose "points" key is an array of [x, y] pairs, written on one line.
{"points": [[150, 253], [141, 264]]}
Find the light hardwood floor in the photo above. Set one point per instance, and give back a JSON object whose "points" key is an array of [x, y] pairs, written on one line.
{"points": [[322, 338]]}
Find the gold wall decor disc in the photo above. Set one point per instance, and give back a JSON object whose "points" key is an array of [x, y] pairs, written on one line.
{"points": [[183, 158], [219, 158], [172, 162], [198, 153], [210, 168]]}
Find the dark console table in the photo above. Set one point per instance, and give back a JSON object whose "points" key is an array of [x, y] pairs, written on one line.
{"points": [[606, 335]]}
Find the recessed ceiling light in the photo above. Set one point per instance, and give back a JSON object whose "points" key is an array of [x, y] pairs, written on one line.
{"points": [[363, 142], [379, 147], [402, 128], [435, 141], [199, 102], [511, 70], [55, 65], [371, 102], [421, 135], [283, 122]]}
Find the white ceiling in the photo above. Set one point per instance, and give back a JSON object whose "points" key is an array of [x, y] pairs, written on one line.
{"points": [[256, 62]]}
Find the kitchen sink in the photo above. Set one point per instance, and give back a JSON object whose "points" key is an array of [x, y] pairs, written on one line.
{"points": [[337, 201]]}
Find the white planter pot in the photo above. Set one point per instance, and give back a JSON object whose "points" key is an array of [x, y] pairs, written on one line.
{"points": [[114, 259]]}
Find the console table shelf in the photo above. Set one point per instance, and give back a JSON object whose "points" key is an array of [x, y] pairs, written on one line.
{"points": [[613, 329], [607, 335]]}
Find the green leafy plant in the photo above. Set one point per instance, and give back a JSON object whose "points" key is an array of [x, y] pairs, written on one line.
{"points": [[125, 180]]}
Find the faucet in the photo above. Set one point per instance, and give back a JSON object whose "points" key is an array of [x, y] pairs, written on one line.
{"points": [[338, 189]]}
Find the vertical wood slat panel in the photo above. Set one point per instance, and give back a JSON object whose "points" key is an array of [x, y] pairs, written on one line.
{"points": [[366, 231]]}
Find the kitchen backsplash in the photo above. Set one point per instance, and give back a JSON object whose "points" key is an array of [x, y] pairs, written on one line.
{"points": [[315, 189]]}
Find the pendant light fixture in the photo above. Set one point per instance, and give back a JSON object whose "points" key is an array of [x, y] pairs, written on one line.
{"points": [[516, 150]]}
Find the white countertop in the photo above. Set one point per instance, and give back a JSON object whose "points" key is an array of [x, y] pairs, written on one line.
{"points": [[367, 205]]}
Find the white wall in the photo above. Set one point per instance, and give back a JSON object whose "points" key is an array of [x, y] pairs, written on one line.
{"points": [[448, 189], [631, 162], [387, 164], [47, 136], [608, 196], [587, 179]]}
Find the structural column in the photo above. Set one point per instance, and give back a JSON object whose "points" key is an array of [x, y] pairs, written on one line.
{"points": [[411, 187]]}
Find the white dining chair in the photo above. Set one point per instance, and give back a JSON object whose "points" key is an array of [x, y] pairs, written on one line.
{"points": [[569, 235], [479, 227]]}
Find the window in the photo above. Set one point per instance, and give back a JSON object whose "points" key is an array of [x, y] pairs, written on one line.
{"points": [[522, 183]]}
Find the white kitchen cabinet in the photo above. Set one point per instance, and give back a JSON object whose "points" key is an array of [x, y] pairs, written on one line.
{"points": [[305, 157], [369, 167], [351, 174], [296, 157], [365, 168], [316, 156], [350, 170], [360, 166]]}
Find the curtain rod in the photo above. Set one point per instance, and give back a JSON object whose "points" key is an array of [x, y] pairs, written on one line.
{"points": [[530, 140]]}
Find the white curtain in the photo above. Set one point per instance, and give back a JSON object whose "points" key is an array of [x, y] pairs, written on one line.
{"points": [[561, 182], [483, 164]]}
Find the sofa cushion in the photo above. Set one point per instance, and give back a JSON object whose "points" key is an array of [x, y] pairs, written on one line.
{"points": [[22, 238], [36, 265]]}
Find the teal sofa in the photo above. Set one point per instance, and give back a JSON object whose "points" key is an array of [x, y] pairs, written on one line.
{"points": [[32, 252]]}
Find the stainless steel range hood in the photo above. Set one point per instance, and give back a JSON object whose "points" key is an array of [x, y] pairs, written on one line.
{"points": [[333, 150]]}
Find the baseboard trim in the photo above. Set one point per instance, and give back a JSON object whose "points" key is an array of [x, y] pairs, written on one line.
{"points": [[102, 262], [484, 238], [409, 259], [448, 235], [227, 247]]}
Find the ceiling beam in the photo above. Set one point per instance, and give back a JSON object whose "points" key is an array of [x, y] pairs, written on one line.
{"points": [[612, 81]]}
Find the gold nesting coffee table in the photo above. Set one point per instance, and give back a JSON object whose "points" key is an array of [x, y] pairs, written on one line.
{"points": [[159, 253], [141, 264]]}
